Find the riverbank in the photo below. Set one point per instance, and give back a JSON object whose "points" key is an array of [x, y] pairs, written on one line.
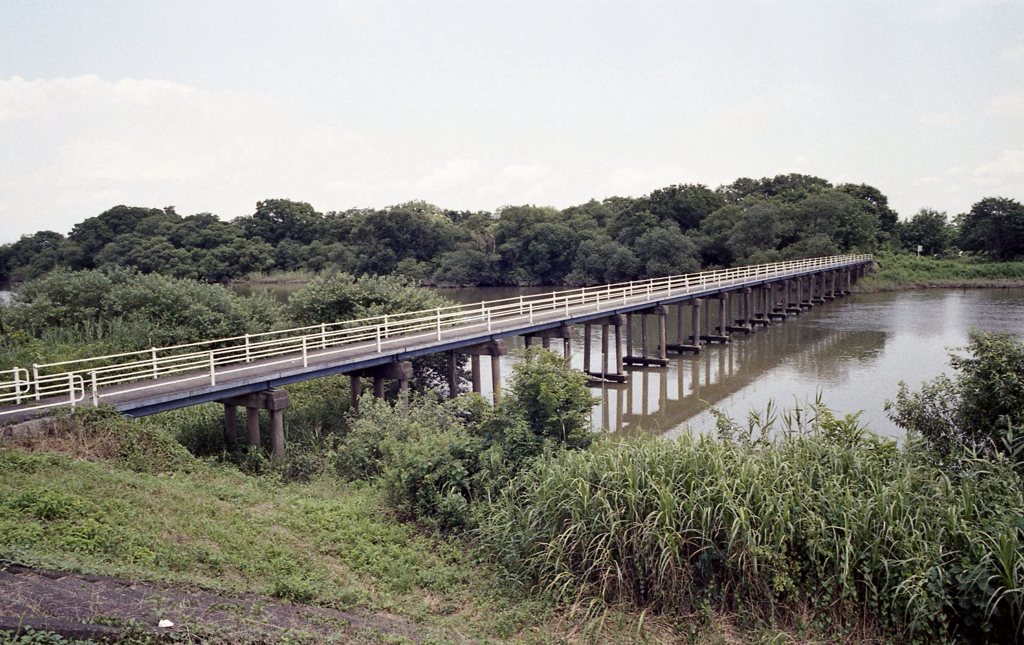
{"points": [[908, 272]]}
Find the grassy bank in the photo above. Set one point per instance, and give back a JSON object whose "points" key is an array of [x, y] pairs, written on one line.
{"points": [[904, 271]]}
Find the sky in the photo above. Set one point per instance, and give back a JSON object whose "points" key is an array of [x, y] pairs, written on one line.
{"points": [[212, 106]]}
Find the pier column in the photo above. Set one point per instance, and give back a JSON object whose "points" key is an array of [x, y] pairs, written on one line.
{"points": [[604, 350], [276, 402], [230, 425], [618, 349], [643, 335], [453, 375], [643, 359], [695, 313], [495, 349], [400, 371], [606, 323], [474, 361], [586, 347], [663, 332]]}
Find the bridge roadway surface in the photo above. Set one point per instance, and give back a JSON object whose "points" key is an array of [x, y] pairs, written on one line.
{"points": [[191, 388]]}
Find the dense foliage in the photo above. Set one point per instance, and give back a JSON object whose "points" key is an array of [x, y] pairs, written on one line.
{"points": [[676, 229], [977, 411]]}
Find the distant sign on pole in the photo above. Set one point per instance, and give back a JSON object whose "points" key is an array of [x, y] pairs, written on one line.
{"points": [[919, 249]]}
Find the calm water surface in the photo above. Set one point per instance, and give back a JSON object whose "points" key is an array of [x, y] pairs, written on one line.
{"points": [[853, 352]]}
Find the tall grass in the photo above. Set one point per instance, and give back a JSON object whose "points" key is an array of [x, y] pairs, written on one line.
{"points": [[905, 271], [823, 516]]}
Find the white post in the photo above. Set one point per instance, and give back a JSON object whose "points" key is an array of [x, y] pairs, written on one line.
{"points": [[323, 335], [213, 376], [35, 379], [385, 325], [17, 386], [248, 357], [71, 389], [439, 323], [378, 339], [488, 320], [95, 394], [154, 363], [531, 311], [305, 355]]}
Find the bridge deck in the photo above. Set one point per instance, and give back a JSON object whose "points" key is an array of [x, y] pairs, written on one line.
{"points": [[142, 397]]}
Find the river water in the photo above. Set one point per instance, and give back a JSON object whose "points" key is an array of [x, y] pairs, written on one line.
{"points": [[852, 353]]}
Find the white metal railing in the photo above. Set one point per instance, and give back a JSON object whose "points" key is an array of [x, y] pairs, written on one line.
{"points": [[66, 382]]}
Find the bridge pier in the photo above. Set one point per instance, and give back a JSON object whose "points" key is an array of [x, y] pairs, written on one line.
{"points": [[681, 345], [563, 332], [495, 349], [643, 359], [275, 401], [400, 371], [740, 321], [606, 323]]}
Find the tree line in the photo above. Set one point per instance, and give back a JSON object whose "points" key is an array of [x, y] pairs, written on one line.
{"points": [[676, 229]]}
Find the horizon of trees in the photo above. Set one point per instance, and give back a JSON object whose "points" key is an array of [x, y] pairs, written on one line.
{"points": [[675, 229]]}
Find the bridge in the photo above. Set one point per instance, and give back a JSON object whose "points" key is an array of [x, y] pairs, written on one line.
{"points": [[250, 370]]}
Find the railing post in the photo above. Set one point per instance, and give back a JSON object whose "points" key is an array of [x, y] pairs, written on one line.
{"points": [[71, 389], [17, 386], [305, 354], [531, 311], [155, 372], [323, 335], [488, 320], [248, 357], [213, 376], [35, 379], [95, 392], [378, 339], [439, 323], [385, 325]]}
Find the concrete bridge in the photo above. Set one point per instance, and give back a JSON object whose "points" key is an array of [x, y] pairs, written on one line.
{"points": [[250, 370]]}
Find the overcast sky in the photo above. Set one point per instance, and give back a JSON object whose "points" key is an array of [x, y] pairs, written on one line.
{"points": [[211, 106]]}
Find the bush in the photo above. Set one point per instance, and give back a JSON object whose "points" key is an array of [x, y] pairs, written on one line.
{"points": [[978, 410]]}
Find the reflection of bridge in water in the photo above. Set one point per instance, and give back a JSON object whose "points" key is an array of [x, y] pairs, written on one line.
{"points": [[660, 400], [250, 370]]}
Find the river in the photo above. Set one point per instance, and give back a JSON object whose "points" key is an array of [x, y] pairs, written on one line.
{"points": [[852, 352]]}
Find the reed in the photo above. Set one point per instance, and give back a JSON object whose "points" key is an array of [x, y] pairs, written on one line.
{"points": [[818, 513]]}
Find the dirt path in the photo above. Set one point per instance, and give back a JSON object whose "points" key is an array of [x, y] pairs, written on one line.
{"points": [[83, 606]]}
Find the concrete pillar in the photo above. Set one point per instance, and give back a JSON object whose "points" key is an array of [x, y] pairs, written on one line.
{"points": [[453, 375], [721, 314], [475, 363], [663, 332], [252, 426], [528, 340], [618, 349], [496, 379], [604, 350], [355, 387], [629, 334], [695, 314], [277, 435], [586, 347], [680, 339], [545, 342], [230, 425], [378, 387], [643, 335]]}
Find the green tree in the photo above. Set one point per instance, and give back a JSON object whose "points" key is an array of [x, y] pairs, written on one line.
{"points": [[277, 219], [980, 408], [92, 234], [602, 261], [928, 229], [995, 225], [666, 251], [685, 204]]}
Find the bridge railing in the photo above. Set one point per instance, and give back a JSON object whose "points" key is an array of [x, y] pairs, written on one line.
{"points": [[69, 382]]}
